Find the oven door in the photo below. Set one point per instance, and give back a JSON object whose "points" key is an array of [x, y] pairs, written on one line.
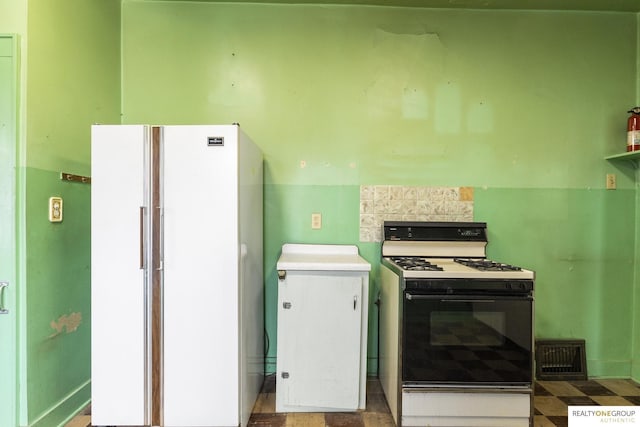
{"points": [[477, 340]]}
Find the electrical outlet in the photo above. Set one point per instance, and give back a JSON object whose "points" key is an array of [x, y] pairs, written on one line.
{"points": [[55, 209], [611, 181], [316, 221]]}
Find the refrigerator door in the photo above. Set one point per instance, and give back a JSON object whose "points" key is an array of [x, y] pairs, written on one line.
{"points": [[118, 328], [201, 263]]}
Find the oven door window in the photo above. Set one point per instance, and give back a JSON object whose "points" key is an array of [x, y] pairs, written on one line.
{"points": [[467, 340]]}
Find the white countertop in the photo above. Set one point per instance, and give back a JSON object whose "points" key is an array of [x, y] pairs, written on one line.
{"points": [[321, 257]]}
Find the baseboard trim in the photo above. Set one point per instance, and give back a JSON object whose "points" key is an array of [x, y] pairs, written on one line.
{"points": [[65, 409], [609, 368]]}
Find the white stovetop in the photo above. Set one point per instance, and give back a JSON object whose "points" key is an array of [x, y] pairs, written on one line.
{"points": [[454, 270], [321, 257]]}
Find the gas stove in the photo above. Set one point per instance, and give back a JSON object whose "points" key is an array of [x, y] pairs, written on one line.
{"points": [[426, 264], [443, 250], [486, 265], [414, 263], [456, 328]]}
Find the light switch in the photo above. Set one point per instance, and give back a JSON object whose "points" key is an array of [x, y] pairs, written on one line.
{"points": [[55, 209], [611, 181], [316, 221]]}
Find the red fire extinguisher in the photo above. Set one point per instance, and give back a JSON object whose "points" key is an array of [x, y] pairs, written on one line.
{"points": [[633, 129]]}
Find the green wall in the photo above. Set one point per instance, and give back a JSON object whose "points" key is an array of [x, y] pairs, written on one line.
{"points": [[584, 266], [521, 105], [635, 368], [13, 16], [636, 322], [72, 67]]}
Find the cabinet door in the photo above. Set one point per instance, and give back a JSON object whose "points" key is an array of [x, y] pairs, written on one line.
{"points": [[319, 340], [8, 318]]}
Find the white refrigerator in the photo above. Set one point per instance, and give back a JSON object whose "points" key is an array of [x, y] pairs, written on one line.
{"points": [[176, 275]]}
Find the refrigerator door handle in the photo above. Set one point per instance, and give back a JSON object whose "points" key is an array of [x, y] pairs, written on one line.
{"points": [[142, 246], [160, 254], [3, 286]]}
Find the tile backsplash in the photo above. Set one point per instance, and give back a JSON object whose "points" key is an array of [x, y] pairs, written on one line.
{"points": [[410, 203]]}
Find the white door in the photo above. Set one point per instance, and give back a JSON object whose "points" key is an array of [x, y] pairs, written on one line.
{"points": [[200, 294], [8, 348], [319, 330], [119, 386]]}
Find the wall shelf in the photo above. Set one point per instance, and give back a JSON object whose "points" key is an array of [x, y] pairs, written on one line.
{"points": [[629, 155], [593, 5], [632, 156]]}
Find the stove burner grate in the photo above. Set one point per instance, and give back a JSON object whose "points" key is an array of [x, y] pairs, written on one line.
{"points": [[486, 265], [416, 264]]}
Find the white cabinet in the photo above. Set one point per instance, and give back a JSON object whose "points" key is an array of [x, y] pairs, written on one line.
{"points": [[322, 329]]}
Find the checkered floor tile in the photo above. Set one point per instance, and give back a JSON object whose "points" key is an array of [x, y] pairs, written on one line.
{"points": [[552, 398], [551, 402]]}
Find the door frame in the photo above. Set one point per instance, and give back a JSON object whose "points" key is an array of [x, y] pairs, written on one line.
{"points": [[9, 397]]}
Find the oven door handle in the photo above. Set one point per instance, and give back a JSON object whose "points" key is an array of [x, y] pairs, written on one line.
{"points": [[439, 297], [462, 298]]}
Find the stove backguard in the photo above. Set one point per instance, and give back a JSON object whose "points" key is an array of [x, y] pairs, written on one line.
{"points": [[435, 231]]}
